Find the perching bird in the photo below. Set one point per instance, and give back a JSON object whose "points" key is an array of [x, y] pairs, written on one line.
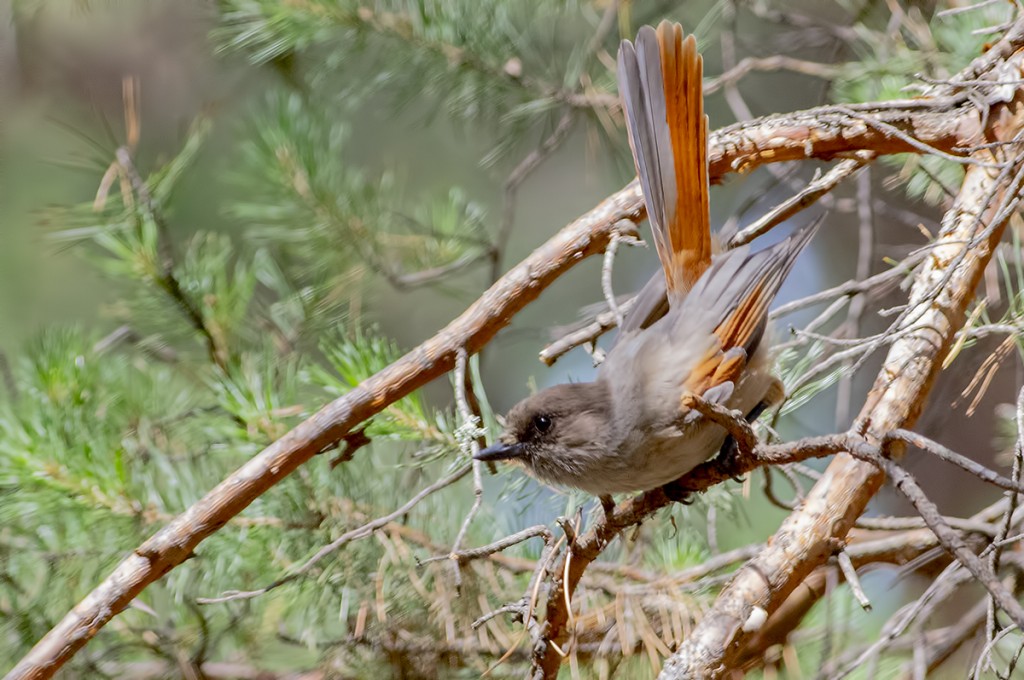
{"points": [[628, 430]]}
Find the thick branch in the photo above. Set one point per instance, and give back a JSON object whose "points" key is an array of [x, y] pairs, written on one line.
{"points": [[942, 290], [632, 511], [472, 330], [944, 122]]}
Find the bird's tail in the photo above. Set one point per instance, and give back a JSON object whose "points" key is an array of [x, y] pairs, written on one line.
{"points": [[733, 298], [660, 83]]}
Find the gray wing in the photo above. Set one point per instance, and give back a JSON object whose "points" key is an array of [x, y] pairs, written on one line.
{"points": [[706, 340]]}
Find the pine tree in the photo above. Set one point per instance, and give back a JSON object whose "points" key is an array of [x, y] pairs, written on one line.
{"points": [[362, 562]]}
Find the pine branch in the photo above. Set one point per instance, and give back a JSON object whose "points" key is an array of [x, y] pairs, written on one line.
{"points": [[940, 296], [165, 277], [941, 122]]}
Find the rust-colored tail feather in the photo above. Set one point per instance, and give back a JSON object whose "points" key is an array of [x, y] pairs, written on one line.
{"points": [[736, 294], [660, 81]]}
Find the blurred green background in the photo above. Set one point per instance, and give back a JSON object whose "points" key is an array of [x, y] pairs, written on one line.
{"points": [[62, 68]]}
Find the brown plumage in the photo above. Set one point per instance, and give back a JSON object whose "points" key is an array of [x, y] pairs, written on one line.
{"points": [[628, 430], [661, 85]]}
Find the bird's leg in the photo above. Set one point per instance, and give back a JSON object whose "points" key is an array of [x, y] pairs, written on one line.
{"points": [[730, 449], [740, 438], [727, 455], [733, 421], [677, 494], [608, 504]]}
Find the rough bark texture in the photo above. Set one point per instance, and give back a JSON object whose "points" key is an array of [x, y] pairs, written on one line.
{"points": [[939, 299], [807, 538], [472, 330]]}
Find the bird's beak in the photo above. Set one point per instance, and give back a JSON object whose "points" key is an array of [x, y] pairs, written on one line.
{"points": [[501, 451]]}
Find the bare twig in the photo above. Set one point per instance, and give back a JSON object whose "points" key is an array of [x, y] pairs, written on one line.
{"points": [[963, 462], [850, 573], [470, 437], [1013, 498], [939, 120], [407, 280], [807, 535], [949, 539], [349, 536], [865, 254], [807, 197], [985, 658], [524, 169], [966, 8], [917, 144], [603, 322], [905, 549], [878, 281], [776, 62], [464, 556], [952, 639], [606, 279], [525, 609]]}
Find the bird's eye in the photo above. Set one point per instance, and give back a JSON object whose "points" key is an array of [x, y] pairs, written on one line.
{"points": [[542, 423]]}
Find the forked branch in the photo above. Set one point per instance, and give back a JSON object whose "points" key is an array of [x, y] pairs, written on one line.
{"points": [[946, 121]]}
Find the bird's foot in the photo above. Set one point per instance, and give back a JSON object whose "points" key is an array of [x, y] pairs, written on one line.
{"points": [[677, 493], [727, 458]]}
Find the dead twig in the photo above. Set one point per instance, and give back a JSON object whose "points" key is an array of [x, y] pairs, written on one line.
{"points": [[349, 536], [850, 573], [961, 461], [465, 556], [471, 437], [938, 121], [472, 330], [805, 198], [807, 536], [948, 538]]}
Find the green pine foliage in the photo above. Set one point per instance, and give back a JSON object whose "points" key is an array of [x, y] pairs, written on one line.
{"points": [[476, 61], [900, 64], [218, 341]]}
